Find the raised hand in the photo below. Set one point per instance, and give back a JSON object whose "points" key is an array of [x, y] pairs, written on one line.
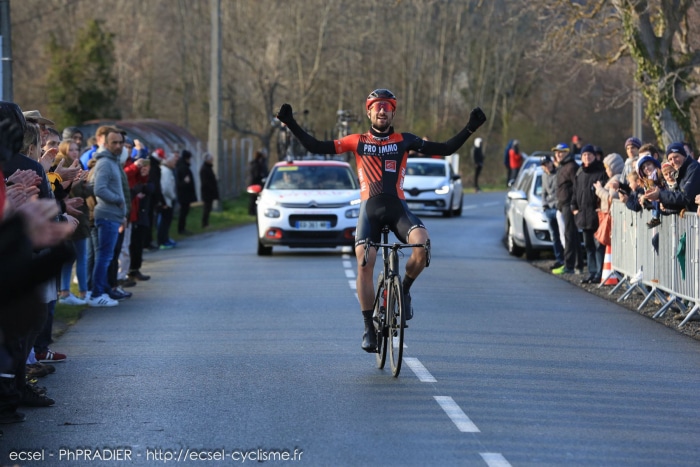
{"points": [[477, 117], [285, 115]]}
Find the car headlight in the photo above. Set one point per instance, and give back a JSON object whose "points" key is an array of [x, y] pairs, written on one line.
{"points": [[271, 212], [353, 213], [443, 190]]}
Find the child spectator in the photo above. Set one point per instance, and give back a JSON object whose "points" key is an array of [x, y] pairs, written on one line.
{"points": [[648, 168]]}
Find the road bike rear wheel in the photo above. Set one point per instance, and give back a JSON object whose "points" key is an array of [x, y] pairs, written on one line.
{"points": [[396, 320], [380, 323]]}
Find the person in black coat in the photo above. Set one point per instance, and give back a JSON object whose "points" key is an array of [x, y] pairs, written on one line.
{"points": [[566, 175], [257, 171], [186, 194], [209, 187], [584, 207]]}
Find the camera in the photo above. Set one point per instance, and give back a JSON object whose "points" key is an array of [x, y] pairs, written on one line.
{"points": [[624, 188]]}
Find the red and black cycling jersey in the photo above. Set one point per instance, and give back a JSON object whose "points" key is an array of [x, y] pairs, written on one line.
{"points": [[381, 157], [381, 161]]}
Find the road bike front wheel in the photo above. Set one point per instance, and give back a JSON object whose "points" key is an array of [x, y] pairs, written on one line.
{"points": [[380, 322], [396, 320]]}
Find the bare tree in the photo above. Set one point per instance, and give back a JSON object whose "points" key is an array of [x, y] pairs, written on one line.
{"points": [[656, 34]]}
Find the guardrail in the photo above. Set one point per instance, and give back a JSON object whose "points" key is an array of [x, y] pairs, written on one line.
{"points": [[667, 267]]}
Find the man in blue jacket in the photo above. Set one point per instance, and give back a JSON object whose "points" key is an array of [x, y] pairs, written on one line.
{"points": [[688, 181]]}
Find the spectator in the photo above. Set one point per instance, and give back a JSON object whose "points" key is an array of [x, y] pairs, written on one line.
{"points": [[652, 150], [257, 172], [689, 150], [688, 170], [109, 212], [515, 160], [576, 145], [670, 176], [73, 133], [648, 169], [566, 174], [506, 160], [186, 193], [478, 159], [68, 153], [34, 116], [209, 187], [599, 154], [100, 136], [124, 256], [584, 207], [632, 146], [141, 196], [168, 188], [119, 265], [157, 158], [549, 204]]}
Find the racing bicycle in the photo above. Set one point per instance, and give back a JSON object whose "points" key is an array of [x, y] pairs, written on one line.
{"points": [[389, 308]]}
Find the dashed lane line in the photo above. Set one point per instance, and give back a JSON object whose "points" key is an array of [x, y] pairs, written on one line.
{"points": [[419, 370], [494, 459], [456, 414]]}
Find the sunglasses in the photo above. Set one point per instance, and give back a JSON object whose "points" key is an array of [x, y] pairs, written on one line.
{"points": [[382, 105]]}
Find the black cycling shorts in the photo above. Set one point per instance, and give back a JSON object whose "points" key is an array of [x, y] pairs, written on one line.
{"points": [[382, 210]]}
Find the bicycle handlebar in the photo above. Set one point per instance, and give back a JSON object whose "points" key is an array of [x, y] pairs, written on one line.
{"points": [[397, 246]]}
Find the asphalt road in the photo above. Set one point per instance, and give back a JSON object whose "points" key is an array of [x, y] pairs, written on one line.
{"points": [[237, 359]]}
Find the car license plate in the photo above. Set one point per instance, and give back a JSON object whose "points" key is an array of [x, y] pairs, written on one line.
{"points": [[414, 205], [313, 225]]}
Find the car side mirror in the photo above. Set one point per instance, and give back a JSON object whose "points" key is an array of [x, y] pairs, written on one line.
{"points": [[254, 189], [456, 177], [516, 195]]}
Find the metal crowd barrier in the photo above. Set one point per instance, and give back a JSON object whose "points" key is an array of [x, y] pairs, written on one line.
{"points": [[656, 273]]}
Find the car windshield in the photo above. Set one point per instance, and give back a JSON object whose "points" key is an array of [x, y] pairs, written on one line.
{"points": [[312, 177], [425, 169]]}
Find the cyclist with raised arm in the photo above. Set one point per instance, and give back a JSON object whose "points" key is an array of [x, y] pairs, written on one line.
{"points": [[381, 156]]}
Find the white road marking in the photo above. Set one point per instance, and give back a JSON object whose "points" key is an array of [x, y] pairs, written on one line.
{"points": [[494, 459], [347, 264], [458, 417], [469, 206], [353, 285], [419, 370], [350, 273], [493, 203]]}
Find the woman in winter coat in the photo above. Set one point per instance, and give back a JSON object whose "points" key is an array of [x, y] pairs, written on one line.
{"points": [[584, 206]]}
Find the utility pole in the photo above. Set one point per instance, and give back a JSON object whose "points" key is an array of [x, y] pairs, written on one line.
{"points": [[215, 143], [6, 49], [637, 112]]}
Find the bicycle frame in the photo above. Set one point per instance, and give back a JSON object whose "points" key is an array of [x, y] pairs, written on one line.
{"points": [[389, 308]]}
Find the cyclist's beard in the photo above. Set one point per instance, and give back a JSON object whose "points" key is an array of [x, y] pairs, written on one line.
{"points": [[382, 128]]}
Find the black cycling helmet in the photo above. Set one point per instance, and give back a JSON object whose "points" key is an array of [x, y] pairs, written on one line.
{"points": [[380, 95]]}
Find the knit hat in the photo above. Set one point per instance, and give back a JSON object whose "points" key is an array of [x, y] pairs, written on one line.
{"points": [[588, 148], [676, 148], [633, 141], [642, 160], [614, 162], [69, 131], [667, 167], [159, 153]]}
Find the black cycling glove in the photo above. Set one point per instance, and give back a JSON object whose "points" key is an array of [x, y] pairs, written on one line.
{"points": [[285, 115], [476, 119]]}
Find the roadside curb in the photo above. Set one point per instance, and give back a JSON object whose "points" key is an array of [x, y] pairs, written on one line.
{"points": [[669, 319]]}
